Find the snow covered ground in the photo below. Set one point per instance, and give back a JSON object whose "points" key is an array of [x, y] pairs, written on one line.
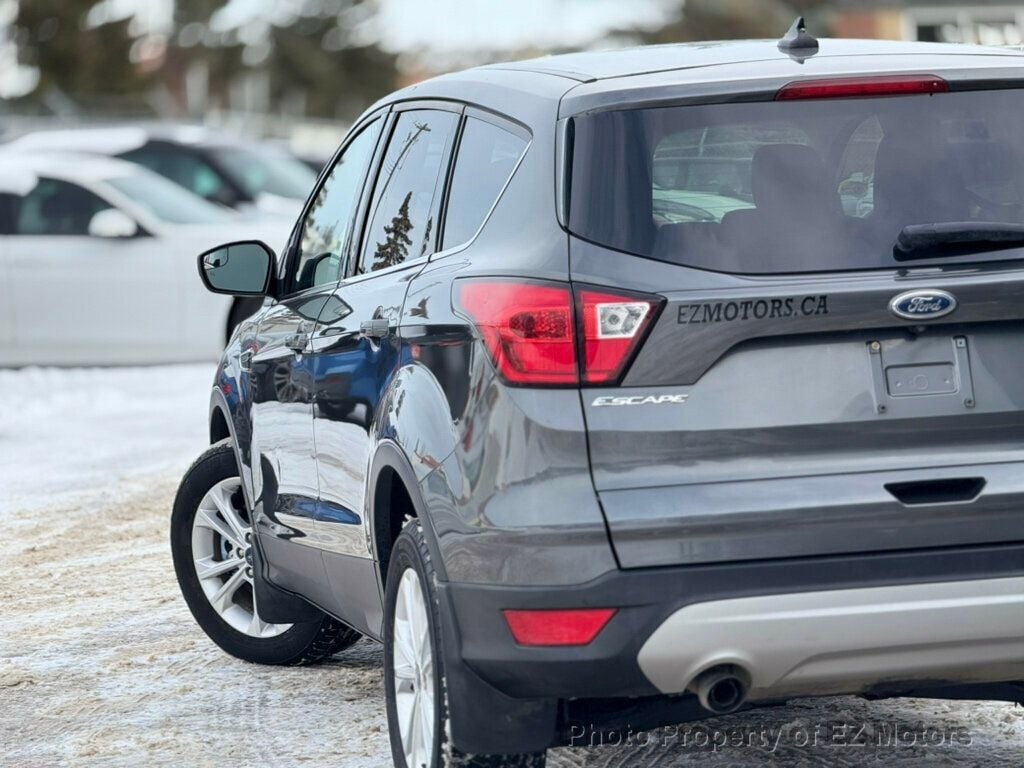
{"points": [[102, 665], [68, 431]]}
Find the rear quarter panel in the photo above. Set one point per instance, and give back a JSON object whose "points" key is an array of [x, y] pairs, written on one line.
{"points": [[503, 470]]}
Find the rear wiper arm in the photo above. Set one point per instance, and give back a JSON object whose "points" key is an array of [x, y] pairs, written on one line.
{"points": [[956, 238]]}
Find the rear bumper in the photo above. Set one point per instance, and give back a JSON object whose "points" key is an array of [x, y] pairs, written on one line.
{"points": [[874, 624], [847, 641]]}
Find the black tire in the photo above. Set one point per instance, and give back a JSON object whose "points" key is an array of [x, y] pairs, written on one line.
{"points": [[305, 643], [410, 551]]}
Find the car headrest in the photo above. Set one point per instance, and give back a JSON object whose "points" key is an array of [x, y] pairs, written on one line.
{"points": [[914, 183], [792, 178]]}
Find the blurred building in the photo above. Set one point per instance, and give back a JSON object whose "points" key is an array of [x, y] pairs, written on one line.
{"points": [[930, 21]]}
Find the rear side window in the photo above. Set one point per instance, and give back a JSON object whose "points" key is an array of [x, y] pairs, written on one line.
{"points": [[795, 186], [402, 225], [487, 157]]}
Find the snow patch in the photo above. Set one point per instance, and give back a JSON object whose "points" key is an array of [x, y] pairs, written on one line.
{"points": [[65, 432]]}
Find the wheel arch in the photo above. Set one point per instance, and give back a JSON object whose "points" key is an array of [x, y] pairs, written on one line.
{"points": [[220, 428], [394, 494]]}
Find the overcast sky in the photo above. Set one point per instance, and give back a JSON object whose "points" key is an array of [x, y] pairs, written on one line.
{"points": [[446, 24], [461, 25]]}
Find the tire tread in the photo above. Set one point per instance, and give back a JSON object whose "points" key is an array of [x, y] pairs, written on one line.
{"points": [[332, 637], [303, 644], [450, 757]]}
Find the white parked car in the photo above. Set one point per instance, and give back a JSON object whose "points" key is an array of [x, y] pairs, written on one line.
{"points": [[256, 179], [98, 264]]}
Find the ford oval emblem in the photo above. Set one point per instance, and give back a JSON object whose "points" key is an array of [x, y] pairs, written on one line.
{"points": [[923, 305]]}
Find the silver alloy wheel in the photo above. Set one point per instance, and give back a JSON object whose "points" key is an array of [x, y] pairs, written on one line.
{"points": [[414, 672], [222, 554]]}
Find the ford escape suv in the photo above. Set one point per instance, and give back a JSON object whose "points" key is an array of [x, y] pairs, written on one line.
{"points": [[623, 389]]}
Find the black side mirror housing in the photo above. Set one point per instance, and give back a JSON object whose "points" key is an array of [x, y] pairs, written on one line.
{"points": [[243, 268]]}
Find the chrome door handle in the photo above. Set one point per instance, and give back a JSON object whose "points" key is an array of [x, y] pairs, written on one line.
{"points": [[377, 328]]}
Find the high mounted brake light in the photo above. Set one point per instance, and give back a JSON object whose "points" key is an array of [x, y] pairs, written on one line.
{"points": [[538, 335], [862, 87]]}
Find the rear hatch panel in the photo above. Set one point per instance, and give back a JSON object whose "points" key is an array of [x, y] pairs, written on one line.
{"points": [[815, 421], [808, 388]]}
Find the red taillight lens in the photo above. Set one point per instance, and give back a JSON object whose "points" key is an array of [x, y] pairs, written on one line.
{"points": [[862, 87], [530, 329], [558, 628], [613, 327], [527, 327]]}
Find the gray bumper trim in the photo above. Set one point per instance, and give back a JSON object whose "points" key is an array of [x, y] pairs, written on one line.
{"points": [[846, 641]]}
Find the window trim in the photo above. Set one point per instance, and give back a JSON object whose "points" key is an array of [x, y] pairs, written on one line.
{"points": [[286, 269], [500, 121], [419, 105]]}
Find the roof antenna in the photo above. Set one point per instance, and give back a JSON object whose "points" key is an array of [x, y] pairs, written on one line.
{"points": [[798, 43]]}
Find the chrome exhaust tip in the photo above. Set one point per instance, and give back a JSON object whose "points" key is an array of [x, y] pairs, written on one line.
{"points": [[722, 689]]}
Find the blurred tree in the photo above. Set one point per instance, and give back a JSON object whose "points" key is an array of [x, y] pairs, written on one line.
{"points": [[319, 56], [697, 20], [192, 52], [302, 58], [89, 62]]}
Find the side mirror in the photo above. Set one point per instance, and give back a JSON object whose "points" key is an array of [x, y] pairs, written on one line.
{"points": [[112, 223], [240, 269]]}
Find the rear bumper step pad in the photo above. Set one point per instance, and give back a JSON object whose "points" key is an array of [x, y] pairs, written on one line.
{"points": [[846, 641]]}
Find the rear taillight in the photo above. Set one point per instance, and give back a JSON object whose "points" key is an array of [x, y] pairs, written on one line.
{"points": [[527, 327], [550, 629], [613, 326], [538, 336], [862, 87]]}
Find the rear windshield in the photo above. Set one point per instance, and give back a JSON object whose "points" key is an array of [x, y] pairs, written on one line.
{"points": [[797, 186]]}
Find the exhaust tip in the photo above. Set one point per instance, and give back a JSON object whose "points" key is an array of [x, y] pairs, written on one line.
{"points": [[725, 695], [721, 690]]}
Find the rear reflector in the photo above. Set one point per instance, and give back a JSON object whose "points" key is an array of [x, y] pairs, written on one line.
{"points": [[550, 629], [862, 87]]}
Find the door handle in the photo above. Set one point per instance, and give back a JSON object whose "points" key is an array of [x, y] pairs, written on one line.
{"points": [[377, 328], [943, 491], [297, 342]]}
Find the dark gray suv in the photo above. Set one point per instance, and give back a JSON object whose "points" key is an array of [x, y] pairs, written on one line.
{"points": [[621, 389]]}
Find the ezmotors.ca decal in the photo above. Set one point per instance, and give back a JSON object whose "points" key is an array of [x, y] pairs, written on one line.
{"points": [[752, 309]]}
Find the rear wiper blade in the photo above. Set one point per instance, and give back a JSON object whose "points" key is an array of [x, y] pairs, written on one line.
{"points": [[956, 238]]}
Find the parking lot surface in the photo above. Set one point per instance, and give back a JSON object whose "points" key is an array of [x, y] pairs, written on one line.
{"points": [[102, 665]]}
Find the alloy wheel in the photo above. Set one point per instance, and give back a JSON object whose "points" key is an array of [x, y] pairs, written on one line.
{"points": [[414, 672], [222, 555]]}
